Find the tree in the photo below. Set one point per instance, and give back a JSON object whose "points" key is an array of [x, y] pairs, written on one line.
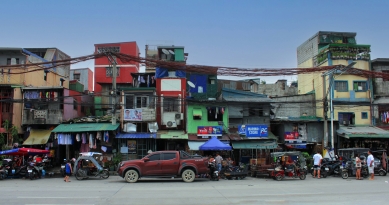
{"points": [[263, 82]]}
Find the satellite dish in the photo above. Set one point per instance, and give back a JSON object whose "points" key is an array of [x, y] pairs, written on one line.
{"points": [[191, 84], [172, 52], [165, 51]]}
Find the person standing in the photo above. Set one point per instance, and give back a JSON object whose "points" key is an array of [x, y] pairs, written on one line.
{"points": [[68, 171], [358, 166], [370, 164], [317, 158], [218, 160]]}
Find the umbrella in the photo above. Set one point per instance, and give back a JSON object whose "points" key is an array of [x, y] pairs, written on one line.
{"points": [[214, 144], [24, 151]]}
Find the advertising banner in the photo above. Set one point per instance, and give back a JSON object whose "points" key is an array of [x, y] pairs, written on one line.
{"points": [[131, 146], [133, 115], [209, 131], [253, 131]]}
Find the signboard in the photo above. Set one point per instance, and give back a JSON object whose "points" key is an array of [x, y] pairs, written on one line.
{"points": [[131, 144], [210, 131], [252, 131], [297, 135], [208, 137], [132, 114]]}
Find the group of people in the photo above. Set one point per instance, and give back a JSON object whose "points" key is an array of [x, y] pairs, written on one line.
{"points": [[317, 161], [218, 161]]}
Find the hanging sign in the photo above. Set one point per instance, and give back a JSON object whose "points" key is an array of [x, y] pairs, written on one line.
{"points": [[253, 130], [209, 131]]}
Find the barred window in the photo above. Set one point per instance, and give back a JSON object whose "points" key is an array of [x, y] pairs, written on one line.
{"points": [[360, 86], [341, 86]]}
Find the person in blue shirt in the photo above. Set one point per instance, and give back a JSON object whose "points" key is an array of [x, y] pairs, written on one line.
{"points": [[68, 171]]}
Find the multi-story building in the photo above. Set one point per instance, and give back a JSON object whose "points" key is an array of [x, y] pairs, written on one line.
{"points": [[381, 93], [350, 95], [14, 80], [103, 72], [84, 76]]}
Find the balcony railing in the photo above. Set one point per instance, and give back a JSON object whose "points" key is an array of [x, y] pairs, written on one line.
{"points": [[42, 116]]}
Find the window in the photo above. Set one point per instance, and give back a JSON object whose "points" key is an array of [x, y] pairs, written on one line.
{"points": [[360, 86], [364, 115], [171, 104], [129, 102], [256, 112], [141, 101], [76, 76], [386, 72], [169, 156], [154, 157], [346, 118], [215, 113], [75, 105], [108, 71], [341, 86], [12, 61]]}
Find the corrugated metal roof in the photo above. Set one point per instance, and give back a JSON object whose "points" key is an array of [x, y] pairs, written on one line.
{"points": [[85, 127], [246, 99], [362, 131]]}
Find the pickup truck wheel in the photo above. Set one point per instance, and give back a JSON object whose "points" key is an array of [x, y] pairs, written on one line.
{"points": [[188, 175], [131, 176]]}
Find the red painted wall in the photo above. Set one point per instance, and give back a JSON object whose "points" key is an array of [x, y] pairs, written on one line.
{"points": [[170, 94], [129, 48], [90, 80]]}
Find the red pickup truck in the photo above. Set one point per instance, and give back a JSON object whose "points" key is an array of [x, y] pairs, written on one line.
{"points": [[164, 164]]}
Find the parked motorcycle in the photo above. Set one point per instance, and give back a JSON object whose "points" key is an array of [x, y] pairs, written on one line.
{"points": [[33, 171], [333, 168], [214, 173], [323, 171]]}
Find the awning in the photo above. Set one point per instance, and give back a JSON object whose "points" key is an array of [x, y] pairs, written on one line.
{"points": [[254, 144], [195, 145], [172, 134], [136, 135], [85, 127], [37, 137], [362, 132], [197, 112]]}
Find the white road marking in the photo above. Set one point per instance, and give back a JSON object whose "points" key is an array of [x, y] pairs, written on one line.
{"points": [[56, 197]]}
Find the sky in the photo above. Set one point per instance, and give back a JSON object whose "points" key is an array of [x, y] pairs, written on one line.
{"points": [[245, 33]]}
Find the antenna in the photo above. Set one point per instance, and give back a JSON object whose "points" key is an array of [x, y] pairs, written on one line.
{"points": [[191, 84], [165, 51], [171, 52]]}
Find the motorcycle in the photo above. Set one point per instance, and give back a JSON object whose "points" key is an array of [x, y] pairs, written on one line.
{"points": [[214, 173], [33, 171], [323, 171], [282, 171], [83, 171]]}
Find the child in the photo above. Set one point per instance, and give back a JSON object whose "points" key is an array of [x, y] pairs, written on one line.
{"points": [[68, 171]]}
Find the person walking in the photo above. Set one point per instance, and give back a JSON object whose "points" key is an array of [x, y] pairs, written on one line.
{"points": [[68, 171], [358, 166], [317, 158], [219, 160], [370, 164]]}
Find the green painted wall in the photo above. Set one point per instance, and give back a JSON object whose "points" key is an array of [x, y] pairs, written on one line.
{"points": [[192, 124]]}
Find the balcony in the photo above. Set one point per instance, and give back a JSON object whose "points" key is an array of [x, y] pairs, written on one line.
{"points": [[352, 96], [51, 117]]}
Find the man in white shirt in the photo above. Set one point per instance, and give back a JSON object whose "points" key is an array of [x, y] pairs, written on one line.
{"points": [[317, 158], [370, 164]]}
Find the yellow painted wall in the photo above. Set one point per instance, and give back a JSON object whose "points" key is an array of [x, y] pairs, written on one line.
{"points": [[357, 110], [35, 78], [17, 110], [361, 64]]}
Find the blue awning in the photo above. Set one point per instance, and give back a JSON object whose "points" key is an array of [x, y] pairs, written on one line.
{"points": [[136, 135]]}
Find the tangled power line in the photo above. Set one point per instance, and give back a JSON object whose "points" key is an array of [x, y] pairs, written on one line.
{"points": [[192, 68]]}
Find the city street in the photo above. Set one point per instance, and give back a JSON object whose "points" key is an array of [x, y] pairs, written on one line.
{"points": [[115, 190]]}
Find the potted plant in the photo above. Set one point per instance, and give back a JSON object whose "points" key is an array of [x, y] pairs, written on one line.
{"points": [[116, 160]]}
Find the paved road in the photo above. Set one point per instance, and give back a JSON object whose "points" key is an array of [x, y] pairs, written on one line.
{"points": [[115, 190]]}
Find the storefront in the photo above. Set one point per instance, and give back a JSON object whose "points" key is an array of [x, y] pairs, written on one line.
{"points": [[73, 139], [363, 137], [172, 140], [135, 145]]}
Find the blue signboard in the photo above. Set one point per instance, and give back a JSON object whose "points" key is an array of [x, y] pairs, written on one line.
{"points": [[253, 130]]}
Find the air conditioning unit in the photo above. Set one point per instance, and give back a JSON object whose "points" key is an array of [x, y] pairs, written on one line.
{"points": [[179, 116], [169, 119]]}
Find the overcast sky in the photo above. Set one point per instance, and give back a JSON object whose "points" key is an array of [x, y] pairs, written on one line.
{"points": [[250, 34]]}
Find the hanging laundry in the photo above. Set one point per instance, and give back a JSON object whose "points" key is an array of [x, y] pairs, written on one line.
{"points": [[83, 136], [98, 135], [222, 111], [106, 136], [78, 138], [55, 96], [94, 145], [90, 141]]}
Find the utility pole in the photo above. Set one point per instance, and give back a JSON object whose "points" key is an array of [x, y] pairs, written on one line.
{"points": [[112, 59], [114, 73], [325, 138]]}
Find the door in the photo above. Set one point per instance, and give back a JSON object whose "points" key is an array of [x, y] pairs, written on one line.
{"points": [[170, 163], [153, 166]]}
